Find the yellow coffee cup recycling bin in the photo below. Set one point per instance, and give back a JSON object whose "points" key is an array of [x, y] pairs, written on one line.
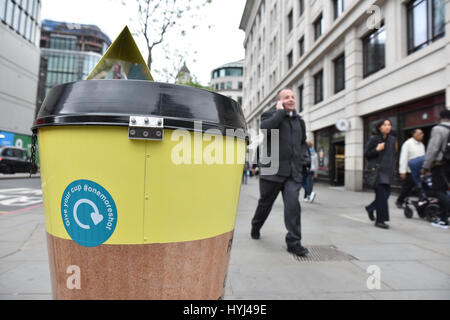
{"points": [[141, 182]]}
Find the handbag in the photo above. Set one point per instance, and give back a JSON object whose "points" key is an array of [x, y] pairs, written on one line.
{"points": [[372, 176]]}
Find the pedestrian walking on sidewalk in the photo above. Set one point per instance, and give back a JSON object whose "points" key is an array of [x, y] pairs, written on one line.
{"points": [[412, 148], [310, 175], [437, 161], [380, 152], [246, 173], [293, 156]]}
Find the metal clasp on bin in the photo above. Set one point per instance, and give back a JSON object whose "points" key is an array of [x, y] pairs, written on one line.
{"points": [[146, 128]]}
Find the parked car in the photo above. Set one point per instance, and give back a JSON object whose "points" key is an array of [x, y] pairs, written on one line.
{"points": [[14, 160]]}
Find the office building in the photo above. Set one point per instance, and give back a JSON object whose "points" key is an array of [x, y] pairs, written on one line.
{"points": [[19, 68], [228, 80], [71, 51], [350, 63]]}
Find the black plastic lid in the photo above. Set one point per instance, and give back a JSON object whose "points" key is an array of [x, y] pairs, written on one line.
{"points": [[112, 102]]}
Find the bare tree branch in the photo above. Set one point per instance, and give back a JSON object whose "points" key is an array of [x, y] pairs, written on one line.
{"points": [[158, 17]]}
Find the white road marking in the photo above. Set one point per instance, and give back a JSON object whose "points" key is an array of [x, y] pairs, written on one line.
{"points": [[20, 197], [353, 218]]}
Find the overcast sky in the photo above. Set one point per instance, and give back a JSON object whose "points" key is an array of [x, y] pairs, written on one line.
{"points": [[221, 44]]}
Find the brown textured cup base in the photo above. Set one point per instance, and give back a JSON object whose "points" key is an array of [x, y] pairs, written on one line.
{"points": [[182, 271]]}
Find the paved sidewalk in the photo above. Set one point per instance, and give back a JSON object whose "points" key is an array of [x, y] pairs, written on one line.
{"points": [[413, 258]]}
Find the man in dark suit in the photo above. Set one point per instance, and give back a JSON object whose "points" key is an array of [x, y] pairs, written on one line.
{"points": [[293, 157]]}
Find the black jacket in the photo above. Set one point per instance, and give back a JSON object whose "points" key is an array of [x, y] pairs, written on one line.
{"points": [[385, 158], [293, 152]]}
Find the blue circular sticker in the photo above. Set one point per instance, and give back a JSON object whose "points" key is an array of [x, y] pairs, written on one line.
{"points": [[88, 212]]}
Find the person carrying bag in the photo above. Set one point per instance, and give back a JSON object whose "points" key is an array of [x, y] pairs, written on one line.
{"points": [[380, 153]]}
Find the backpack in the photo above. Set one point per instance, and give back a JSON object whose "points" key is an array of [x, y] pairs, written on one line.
{"points": [[446, 150]]}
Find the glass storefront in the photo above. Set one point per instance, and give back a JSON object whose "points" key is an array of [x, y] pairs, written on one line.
{"points": [[330, 148]]}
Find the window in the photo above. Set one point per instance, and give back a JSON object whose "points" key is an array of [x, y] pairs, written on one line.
{"points": [[338, 8], [10, 13], [318, 87], [30, 29], [23, 27], [16, 21], [240, 85], [222, 86], [318, 27], [239, 99], [275, 46], [290, 60], [290, 21], [426, 23], [374, 51], [300, 98], [339, 73], [301, 46], [229, 85], [301, 5], [3, 9], [233, 72]]}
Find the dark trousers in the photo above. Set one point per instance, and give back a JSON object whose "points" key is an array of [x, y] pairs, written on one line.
{"points": [[439, 177], [308, 183], [290, 190], [407, 186], [380, 204]]}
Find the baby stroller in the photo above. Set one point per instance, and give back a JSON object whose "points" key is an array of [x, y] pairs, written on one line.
{"points": [[427, 206]]}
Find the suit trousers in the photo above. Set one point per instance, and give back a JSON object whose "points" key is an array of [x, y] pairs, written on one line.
{"points": [[290, 190], [380, 204]]}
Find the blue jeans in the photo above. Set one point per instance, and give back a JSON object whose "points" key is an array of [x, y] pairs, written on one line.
{"points": [[244, 177], [307, 183]]}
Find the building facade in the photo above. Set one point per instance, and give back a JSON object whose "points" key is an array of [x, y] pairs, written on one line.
{"points": [[19, 68], [350, 63], [70, 52], [228, 80]]}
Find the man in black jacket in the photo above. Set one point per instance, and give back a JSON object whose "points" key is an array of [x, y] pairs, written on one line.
{"points": [[292, 159]]}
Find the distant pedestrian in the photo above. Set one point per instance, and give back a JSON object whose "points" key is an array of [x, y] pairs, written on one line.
{"points": [[246, 173], [380, 152], [438, 163], [412, 148], [310, 174]]}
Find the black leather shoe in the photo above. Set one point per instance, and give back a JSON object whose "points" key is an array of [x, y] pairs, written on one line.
{"points": [[298, 250], [381, 225], [370, 213], [255, 234]]}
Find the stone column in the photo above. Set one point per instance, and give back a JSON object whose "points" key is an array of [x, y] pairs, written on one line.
{"points": [[354, 138]]}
